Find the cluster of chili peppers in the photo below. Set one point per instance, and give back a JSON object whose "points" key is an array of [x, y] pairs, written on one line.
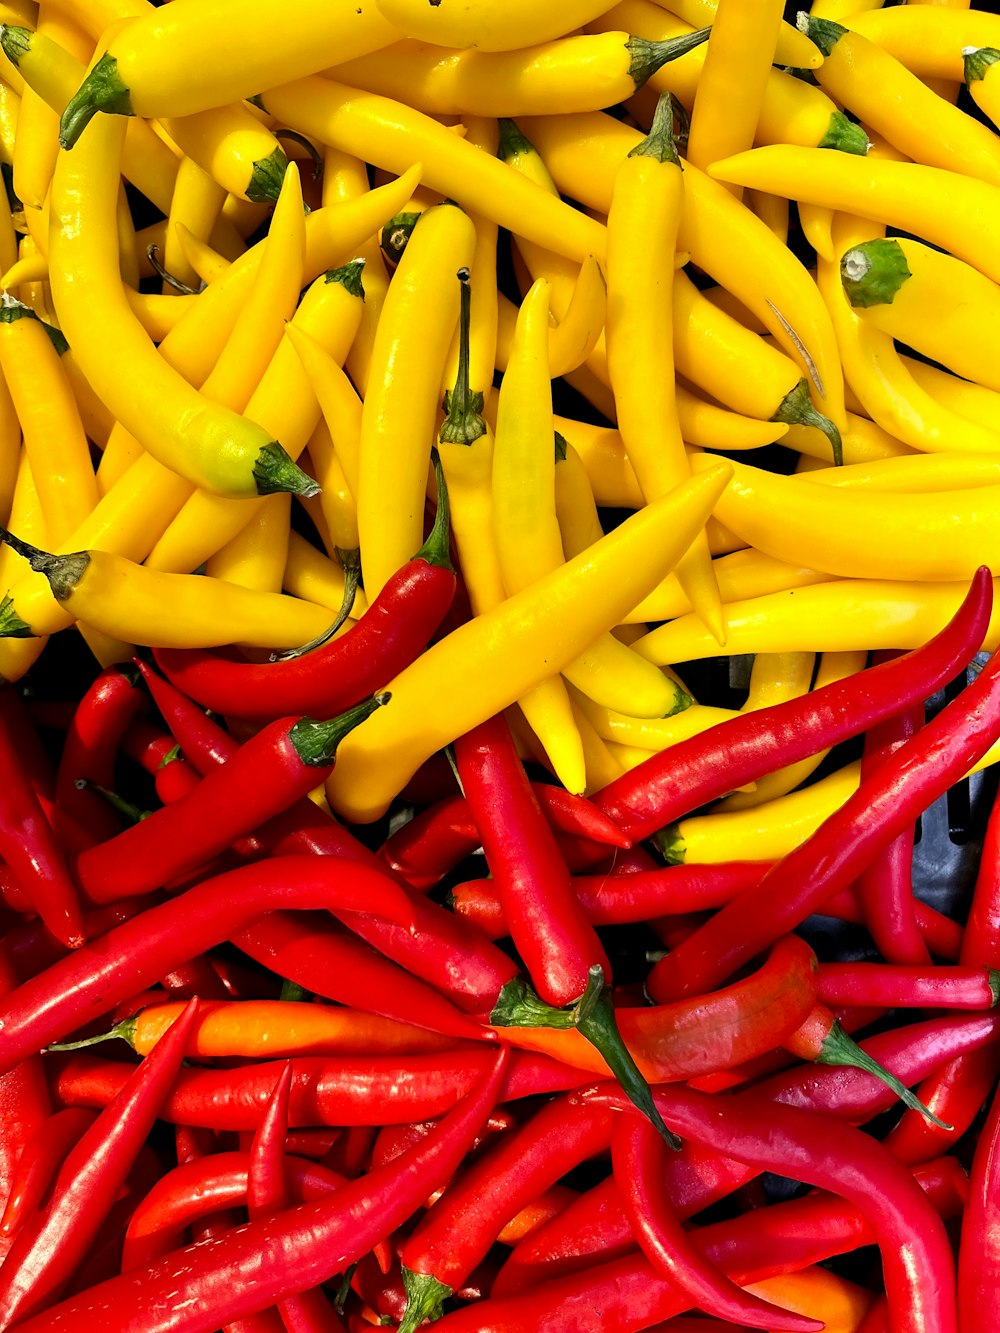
{"points": [[258, 1074]]}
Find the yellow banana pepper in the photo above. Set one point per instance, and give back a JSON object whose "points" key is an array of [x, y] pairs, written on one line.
{"points": [[485, 25]]}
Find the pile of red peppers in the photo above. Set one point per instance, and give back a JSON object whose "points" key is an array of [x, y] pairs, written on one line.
{"points": [[257, 1074]]}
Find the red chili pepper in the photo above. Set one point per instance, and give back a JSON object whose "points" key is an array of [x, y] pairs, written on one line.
{"points": [[742, 749], [916, 1257], [40, 1159], [195, 1289], [146, 745], [197, 1188], [49, 1246], [96, 977], [560, 949], [638, 1160], [27, 842], [91, 744], [175, 777], [457, 1232], [332, 677], [979, 1251], [885, 887], [376, 1090], [903, 786], [25, 1105], [891, 985]]}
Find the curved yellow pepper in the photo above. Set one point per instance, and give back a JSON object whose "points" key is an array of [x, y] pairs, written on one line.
{"points": [[486, 664], [237, 151], [928, 38], [790, 49], [486, 25]]}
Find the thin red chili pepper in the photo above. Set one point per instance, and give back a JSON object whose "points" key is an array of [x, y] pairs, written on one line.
{"points": [[979, 1251], [196, 1189], [351, 1155], [268, 1193], [40, 1159], [903, 786], [25, 1104], [195, 976], [30, 948], [559, 947], [196, 1289], [91, 744], [96, 977], [739, 750], [394, 630], [48, 1247], [885, 887], [175, 777], [457, 1233], [377, 1090], [203, 741], [638, 1161], [892, 985], [268, 773], [917, 1265], [147, 745], [28, 844]]}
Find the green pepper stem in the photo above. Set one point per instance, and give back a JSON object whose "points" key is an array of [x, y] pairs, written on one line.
{"points": [[274, 471], [463, 423], [293, 136], [425, 1298], [994, 984], [152, 254], [125, 1029], [840, 1049], [823, 33], [266, 176], [102, 90], [647, 57], [670, 845], [511, 143], [11, 624], [435, 550], [976, 60], [119, 803], [797, 409], [660, 143], [15, 42], [845, 136], [315, 741], [350, 563], [62, 571], [349, 277], [873, 272]]}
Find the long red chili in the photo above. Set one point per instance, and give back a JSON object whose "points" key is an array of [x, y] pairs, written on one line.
{"points": [[742, 749], [25, 1105], [979, 1250], [917, 1264], [394, 630], [28, 844], [196, 1289], [457, 1232], [39, 1161], [891, 985], [638, 1161], [130, 957], [49, 1246], [903, 786]]}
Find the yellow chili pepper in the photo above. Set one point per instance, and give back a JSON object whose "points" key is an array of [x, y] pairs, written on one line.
{"points": [[18, 655], [313, 576], [738, 59], [127, 600], [206, 262], [195, 204], [884, 94], [525, 528], [579, 73], [167, 63], [392, 136], [775, 677], [256, 557], [928, 38], [968, 400], [839, 616], [646, 206], [725, 239], [914, 473], [576, 509], [832, 667], [978, 62], [489, 662], [602, 767], [487, 26], [211, 445], [791, 50], [54, 438], [762, 832], [36, 145], [336, 499], [935, 303], [237, 151], [400, 411], [651, 734], [862, 441], [958, 213]]}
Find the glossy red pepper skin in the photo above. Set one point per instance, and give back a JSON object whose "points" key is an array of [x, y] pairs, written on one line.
{"points": [[39, 1161], [557, 944], [197, 1289], [891, 985], [91, 744], [884, 804], [742, 749], [25, 1105], [130, 957], [389, 636], [50, 1245], [27, 842], [979, 1250]]}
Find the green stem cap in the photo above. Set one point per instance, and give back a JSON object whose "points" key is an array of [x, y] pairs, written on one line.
{"points": [[670, 845], [349, 277], [994, 984], [62, 571], [119, 803], [436, 549], [266, 177], [977, 60], [463, 423], [274, 470], [291, 990], [350, 563], [11, 624], [316, 741], [845, 136], [840, 1049], [511, 142], [647, 57], [824, 33], [15, 42], [396, 233], [102, 90], [873, 272], [796, 409], [425, 1298], [659, 143]]}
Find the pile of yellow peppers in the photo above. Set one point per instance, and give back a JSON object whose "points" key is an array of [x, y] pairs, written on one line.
{"points": [[236, 243]]}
